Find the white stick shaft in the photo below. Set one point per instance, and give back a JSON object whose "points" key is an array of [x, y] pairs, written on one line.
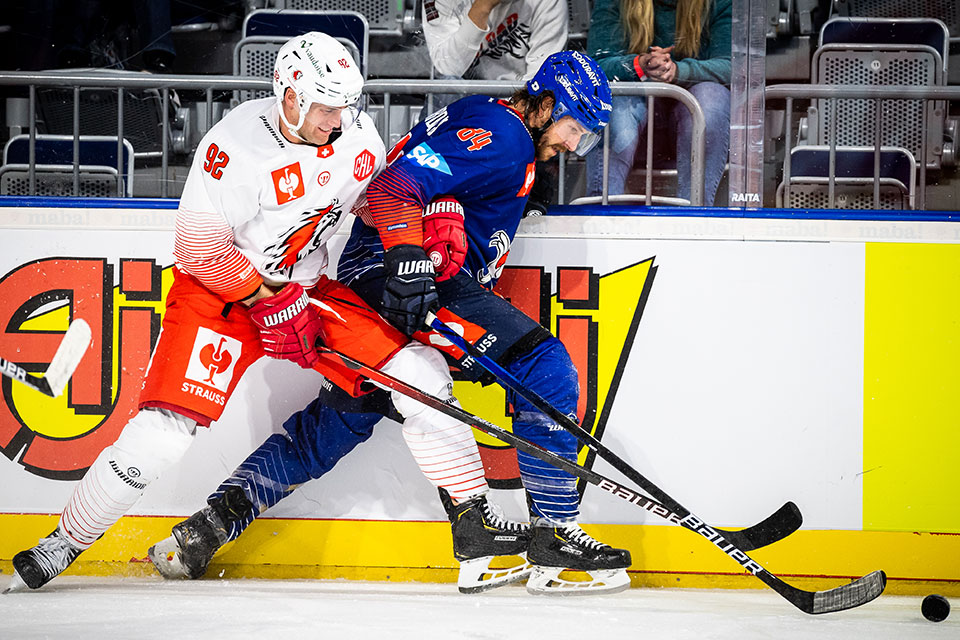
{"points": [[65, 361]]}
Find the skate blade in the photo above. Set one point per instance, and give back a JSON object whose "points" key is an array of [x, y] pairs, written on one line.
{"points": [[165, 556], [16, 584], [476, 576], [547, 581]]}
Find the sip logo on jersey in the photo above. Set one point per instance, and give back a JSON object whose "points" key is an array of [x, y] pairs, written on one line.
{"points": [[423, 155], [288, 183]]}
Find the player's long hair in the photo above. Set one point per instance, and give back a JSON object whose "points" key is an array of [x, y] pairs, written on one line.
{"points": [[531, 104], [637, 16]]}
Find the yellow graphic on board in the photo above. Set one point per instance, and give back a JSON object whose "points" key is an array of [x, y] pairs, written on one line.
{"points": [[911, 388], [122, 302], [53, 417], [598, 332]]}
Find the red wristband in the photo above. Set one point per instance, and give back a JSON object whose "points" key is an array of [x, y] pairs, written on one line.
{"points": [[641, 76]]}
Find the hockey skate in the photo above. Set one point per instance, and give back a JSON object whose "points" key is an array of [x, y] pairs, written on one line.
{"points": [[480, 534], [568, 547], [36, 567], [188, 552]]}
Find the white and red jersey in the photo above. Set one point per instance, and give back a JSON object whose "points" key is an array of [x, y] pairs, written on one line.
{"points": [[257, 207]]}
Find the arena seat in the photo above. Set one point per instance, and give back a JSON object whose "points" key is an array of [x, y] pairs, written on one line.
{"points": [[877, 51], [856, 172], [53, 155], [266, 30], [385, 17]]}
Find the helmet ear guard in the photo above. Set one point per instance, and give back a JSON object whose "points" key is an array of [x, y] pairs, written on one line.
{"points": [[580, 90], [317, 68]]}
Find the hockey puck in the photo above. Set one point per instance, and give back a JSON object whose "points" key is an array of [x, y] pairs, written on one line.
{"points": [[935, 608]]}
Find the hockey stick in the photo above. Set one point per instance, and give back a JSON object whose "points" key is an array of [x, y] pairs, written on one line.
{"points": [[64, 363], [777, 526], [854, 594]]}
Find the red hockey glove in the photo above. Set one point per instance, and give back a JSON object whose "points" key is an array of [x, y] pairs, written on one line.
{"points": [[444, 239], [289, 325]]}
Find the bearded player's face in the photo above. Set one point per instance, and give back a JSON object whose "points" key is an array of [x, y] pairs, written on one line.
{"points": [[562, 135]]}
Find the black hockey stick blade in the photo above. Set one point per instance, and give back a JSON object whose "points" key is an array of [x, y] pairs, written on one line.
{"points": [[777, 526], [65, 361], [850, 595], [847, 596]]}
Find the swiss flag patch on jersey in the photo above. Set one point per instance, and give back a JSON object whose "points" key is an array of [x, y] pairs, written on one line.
{"points": [[528, 180], [288, 183], [363, 165]]}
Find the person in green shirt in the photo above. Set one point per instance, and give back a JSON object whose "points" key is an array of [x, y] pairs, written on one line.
{"points": [[684, 42]]}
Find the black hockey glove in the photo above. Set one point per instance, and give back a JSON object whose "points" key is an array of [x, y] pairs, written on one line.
{"points": [[410, 290]]}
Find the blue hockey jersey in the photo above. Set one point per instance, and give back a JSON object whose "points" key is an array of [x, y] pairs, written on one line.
{"points": [[477, 150]]}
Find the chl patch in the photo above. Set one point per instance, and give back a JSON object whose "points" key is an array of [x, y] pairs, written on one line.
{"points": [[363, 166], [288, 183], [213, 359]]}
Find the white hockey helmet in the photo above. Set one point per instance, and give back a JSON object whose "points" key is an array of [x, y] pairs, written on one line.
{"points": [[318, 69]]}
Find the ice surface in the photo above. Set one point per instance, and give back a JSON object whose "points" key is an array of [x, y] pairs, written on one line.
{"points": [[82, 608]]}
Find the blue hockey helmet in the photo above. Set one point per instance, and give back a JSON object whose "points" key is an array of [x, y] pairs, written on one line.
{"points": [[581, 91]]}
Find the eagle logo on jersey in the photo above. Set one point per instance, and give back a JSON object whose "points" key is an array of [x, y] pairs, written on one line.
{"points": [[288, 183], [302, 238], [501, 242]]}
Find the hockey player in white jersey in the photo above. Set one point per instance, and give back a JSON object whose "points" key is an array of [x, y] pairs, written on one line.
{"points": [[491, 182], [269, 185]]}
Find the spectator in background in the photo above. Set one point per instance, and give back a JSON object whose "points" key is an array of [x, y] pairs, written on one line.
{"points": [[683, 42], [493, 39], [496, 40]]}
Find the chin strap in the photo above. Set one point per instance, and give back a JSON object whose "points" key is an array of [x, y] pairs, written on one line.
{"points": [[294, 130], [336, 133]]}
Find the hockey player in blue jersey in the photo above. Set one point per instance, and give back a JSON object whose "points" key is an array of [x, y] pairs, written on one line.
{"points": [[445, 213]]}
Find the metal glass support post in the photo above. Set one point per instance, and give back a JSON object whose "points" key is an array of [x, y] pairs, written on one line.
{"points": [[747, 80]]}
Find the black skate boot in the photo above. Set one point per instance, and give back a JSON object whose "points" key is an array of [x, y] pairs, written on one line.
{"points": [[188, 552], [568, 547], [481, 533], [36, 567]]}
